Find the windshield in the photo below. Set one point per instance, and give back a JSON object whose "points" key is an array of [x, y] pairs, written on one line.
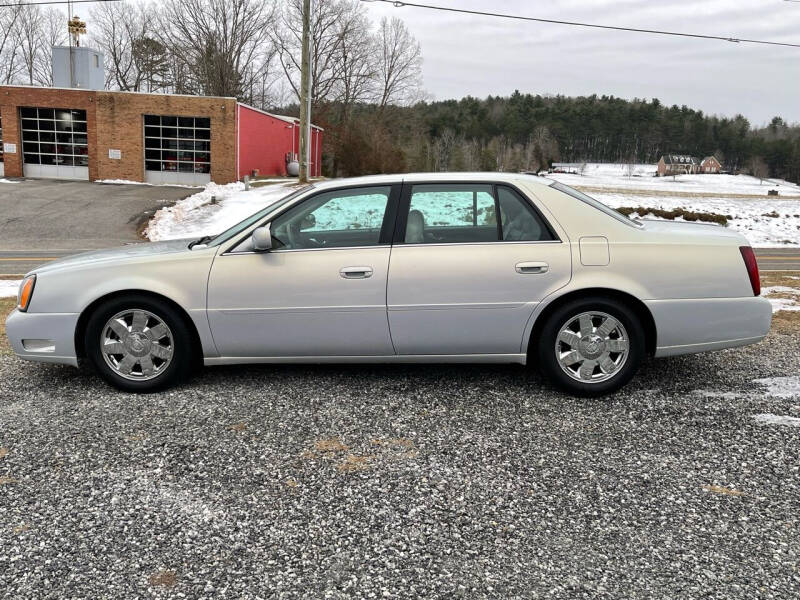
{"points": [[594, 203], [241, 226]]}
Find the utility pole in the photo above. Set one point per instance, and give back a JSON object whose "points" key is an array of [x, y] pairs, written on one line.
{"points": [[305, 94]]}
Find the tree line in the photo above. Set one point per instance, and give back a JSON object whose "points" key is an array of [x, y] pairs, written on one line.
{"points": [[367, 90], [526, 132]]}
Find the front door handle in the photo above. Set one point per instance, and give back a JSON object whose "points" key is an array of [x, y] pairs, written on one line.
{"points": [[355, 272], [532, 268]]}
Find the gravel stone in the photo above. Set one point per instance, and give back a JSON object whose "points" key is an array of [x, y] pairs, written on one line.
{"points": [[402, 482]]}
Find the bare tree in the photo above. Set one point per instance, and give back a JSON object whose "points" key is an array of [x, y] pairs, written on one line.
{"points": [[354, 63], [399, 63], [120, 30], [331, 22], [222, 45], [758, 168], [9, 39]]}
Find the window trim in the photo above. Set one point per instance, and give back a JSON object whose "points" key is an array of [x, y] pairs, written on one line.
{"points": [[405, 206], [384, 239]]}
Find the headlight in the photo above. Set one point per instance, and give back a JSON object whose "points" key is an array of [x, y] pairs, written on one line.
{"points": [[25, 292]]}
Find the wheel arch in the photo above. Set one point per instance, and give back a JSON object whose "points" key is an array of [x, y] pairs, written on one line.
{"points": [[632, 302], [83, 319]]}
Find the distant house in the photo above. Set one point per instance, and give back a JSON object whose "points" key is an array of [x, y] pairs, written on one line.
{"points": [[678, 164], [710, 164]]}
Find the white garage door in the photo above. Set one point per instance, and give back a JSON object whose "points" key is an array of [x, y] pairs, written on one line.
{"points": [[54, 143], [177, 149]]}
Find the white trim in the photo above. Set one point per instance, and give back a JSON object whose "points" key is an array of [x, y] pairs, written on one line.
{"points": [[293, 120], [238, 129], [84, 90]]}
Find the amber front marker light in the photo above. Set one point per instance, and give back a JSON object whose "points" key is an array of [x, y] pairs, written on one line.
{"points": [[26, 292]]}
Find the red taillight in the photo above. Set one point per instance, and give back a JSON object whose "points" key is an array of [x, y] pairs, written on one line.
{"points": [[752, 268]]}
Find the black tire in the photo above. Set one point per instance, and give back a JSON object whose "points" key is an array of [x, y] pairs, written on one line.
{"points": [[181, 360], [545, 346]]}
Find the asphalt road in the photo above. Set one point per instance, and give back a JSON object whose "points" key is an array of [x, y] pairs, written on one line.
{"points": [[15, 263], [68, 216], [403, 482]]}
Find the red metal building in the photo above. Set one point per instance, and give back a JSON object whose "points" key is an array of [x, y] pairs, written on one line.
{"points": [[265, 140]]}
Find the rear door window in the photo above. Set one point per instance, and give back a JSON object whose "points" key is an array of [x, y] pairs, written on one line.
{"points": [[451, 213], [445, 213]]}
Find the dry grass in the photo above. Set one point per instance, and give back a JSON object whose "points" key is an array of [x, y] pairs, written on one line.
{"points": [[678, 194], [238, 427], [166, 579], [6, 306], [3, 453], [330, 446], [784, 321], [718, 489], [688, 215], [353, 463], [5, 480]]}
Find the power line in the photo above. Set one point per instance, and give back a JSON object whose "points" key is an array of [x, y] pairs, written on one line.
{"points": [[21, 4], [398, 4]]}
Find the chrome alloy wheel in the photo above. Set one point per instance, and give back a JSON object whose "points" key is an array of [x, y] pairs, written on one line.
{"points": [[136, 344], [592, 347]]}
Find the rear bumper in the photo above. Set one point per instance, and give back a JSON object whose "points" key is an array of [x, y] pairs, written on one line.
{"points": [[43, 337], [700, 325]]}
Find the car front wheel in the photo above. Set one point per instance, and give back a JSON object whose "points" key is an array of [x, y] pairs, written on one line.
{"points": [[138, 344], [591, 346]]}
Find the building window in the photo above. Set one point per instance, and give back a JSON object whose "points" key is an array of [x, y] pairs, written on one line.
{"points": [[54, 136], [177, 144]]}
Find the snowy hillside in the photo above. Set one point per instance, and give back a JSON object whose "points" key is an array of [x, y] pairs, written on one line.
{"points": [[764, 220]]}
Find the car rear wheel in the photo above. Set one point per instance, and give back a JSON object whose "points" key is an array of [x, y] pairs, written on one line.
{"points": [[591, 346], [138, 344]]}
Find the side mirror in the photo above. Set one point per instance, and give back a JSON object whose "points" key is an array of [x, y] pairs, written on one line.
{"points": [[262, 239]]}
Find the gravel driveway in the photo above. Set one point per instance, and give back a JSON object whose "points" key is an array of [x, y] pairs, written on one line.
{"points": [[434, 482]]}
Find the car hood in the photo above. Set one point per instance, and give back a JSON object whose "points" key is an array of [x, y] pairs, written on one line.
{"points": [[137, 250]]}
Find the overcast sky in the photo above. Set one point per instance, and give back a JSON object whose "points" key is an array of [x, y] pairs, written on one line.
{"points": [[478, 56]]}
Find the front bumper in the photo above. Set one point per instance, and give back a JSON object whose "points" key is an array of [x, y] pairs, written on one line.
{"points": [[687, 326], [43, 337]]}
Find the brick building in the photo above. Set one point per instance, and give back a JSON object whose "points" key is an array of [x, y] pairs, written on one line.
{"points": [[677, 164], [158, 138], [710, 164]]}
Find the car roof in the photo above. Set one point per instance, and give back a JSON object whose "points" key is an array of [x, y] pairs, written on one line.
{"points": [[453, 176]]}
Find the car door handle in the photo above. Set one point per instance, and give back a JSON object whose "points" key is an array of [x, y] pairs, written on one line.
{"points": [[355, 272], [532, 268]]}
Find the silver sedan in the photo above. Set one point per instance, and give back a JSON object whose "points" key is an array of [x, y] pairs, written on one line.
{"points": [[483, 267]]}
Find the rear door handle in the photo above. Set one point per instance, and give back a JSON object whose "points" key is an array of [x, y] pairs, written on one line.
{"points": [[355, 272], [532, 268]]}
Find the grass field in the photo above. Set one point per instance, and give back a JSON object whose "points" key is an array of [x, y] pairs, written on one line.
{"points": [[6, 306]]}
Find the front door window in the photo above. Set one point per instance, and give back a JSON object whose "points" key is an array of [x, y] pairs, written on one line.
{"points": [[337, 219]]}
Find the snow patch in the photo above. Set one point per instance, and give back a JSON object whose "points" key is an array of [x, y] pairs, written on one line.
{"points": [[778, 304], [781, 387], [196, 216], [9, 288], [770, 419], [129, 182], [7, 181]]}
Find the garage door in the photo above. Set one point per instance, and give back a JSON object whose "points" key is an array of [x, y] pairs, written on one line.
{"points": [[54, 143], [177, 149]]}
